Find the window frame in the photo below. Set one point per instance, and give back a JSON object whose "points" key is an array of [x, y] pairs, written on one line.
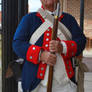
{"points": [[1, 17]]}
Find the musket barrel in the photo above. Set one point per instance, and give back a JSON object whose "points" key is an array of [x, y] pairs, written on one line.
{"points": [[54, 37]]}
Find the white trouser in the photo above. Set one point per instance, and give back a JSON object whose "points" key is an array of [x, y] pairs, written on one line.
{"points": [[69, 87]]}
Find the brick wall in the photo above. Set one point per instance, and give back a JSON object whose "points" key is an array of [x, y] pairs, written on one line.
{"points": [[73, 7]]}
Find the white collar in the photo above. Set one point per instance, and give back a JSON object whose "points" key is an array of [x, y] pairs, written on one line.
{"points": [[51, 12]]}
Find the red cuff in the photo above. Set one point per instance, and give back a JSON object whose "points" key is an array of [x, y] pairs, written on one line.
{"points": [[33, 54], [71, 48]]}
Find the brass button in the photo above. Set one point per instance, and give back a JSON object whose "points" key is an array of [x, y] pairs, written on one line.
{"points": [[33, 48], [41, 74], [47, 39], [48, 29], [70, 72], [46, 45], [48, 34], [30, 57], [42, 68], [72, 44]]}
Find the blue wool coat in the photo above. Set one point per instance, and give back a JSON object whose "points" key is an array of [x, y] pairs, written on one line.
{"points": [[26, 28]]}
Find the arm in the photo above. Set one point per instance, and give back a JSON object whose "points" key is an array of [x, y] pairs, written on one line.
{"points": [[73, 47], [21, 44], [77, 44]]}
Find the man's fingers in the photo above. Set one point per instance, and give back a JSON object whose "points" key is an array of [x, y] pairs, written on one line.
{"points": [[52, 59], [51, 63], [52, 46], [48, 58]]}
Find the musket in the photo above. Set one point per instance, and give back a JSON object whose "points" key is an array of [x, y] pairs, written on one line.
{"points": [[54, 37]]}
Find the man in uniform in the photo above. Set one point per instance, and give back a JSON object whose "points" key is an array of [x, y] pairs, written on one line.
{"points": [[32, 42]]}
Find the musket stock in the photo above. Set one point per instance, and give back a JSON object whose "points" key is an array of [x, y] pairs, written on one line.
{"points": [[54, 36]]}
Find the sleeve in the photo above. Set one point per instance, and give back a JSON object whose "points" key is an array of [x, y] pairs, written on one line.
{"points": [[70, 49], [75, 46], [21, 45]]}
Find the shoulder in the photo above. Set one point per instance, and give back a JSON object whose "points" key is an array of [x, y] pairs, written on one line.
{"points": [[29, 15], [68, 20], [69, 17]]}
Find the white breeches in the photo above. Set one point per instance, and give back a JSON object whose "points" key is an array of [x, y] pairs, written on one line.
{"points": [[69, 87]]}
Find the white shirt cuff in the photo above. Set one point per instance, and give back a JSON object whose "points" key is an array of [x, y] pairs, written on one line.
{"points": [[64, 47]]}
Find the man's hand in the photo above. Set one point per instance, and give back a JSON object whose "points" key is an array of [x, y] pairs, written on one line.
{"points": [[48, 58], [55, 46]]}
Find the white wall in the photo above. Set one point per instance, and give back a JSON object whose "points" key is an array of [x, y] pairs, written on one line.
{"points": [[34, 5]]}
